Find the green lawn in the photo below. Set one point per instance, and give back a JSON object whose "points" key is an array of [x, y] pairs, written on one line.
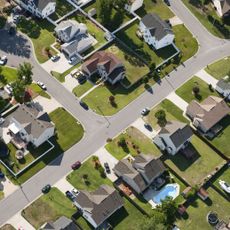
{"points": [[136, 142], [48, 207], [41, 34], [208, 18], [198, 211], [158, 7], [204, 162], [38, 91], [7, 75], [220, 68], [186, 91], [1, 196], [94, 178], [81, 89], [171, 110], [7, 227]]}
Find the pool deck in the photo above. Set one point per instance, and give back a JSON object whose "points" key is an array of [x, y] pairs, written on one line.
{"points": [[150, 193]]}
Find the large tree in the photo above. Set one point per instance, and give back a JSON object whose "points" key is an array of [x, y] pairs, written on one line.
{"points": [[104, 10], [24, 73], [120, 3], [18, 90]]}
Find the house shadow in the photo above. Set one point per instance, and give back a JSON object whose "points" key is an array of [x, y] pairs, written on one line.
{"points": [[118, 217]]}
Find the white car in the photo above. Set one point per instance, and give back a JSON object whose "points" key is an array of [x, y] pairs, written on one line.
{"points": [[72, 60], [8, 89], [224, 185], [75, 191], [2, 120], [145, 111], [3, 60], [55, 58], [41, 84]]}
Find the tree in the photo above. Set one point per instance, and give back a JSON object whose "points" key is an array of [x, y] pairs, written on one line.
{"points": [[196, 90], [24, 73], [18, 90], [161, 117], [104, 10], [1, 70], [120, 4], [122, 142]]}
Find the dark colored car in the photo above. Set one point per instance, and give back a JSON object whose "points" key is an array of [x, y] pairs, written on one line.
{"points": [[70, 195], [167, 2], [107, 169], [2, 175], [148, 127], [76, 165], [81, 79], [46, 188], [84, 105]]}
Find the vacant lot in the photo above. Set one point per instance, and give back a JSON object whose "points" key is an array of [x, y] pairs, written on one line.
{"points": [[136, 142]]}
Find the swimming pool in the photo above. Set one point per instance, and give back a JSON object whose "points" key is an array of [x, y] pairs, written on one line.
{"points": [[171, 190]]}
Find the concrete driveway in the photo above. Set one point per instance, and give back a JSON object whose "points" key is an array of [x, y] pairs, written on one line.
{"points": [[178, 101], [63, 185], [7, 186]]}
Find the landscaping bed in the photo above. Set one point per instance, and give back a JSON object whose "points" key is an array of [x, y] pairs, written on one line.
{"points": [[82, 89], [135, 142]]}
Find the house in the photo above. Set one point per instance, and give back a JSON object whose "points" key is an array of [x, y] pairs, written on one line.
{"points": [[173, 137], [223, 86], [222, 225], [75, 37], [155, 31], [222, 7], [141, 173], [62, 223], [39, 8], [207, 114], [97, 206], [28, 125], [107, 65], [133, 5]]}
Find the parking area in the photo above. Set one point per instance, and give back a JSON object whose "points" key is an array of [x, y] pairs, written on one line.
{"points": [[70, 82]]}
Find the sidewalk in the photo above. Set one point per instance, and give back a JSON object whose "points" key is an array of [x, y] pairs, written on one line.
{"points": [[202, 74], [18, 221], [178, 101]]}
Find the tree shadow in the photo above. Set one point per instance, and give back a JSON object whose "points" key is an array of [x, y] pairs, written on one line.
{"points": [[148, 88]]}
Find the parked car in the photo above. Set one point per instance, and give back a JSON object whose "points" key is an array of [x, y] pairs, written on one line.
{"points": [[2, 120], [8, 88], [167, 2], [55, 58], [107, 169], [84, 105], [145, 111], [76, 165], [75, 191], [70, 195], [3, 60], [81, 79], [16, 18], [2, 175], [72, 60], [12, 30], [41, 84], [46, 188], [225, 186], [148, 127]]}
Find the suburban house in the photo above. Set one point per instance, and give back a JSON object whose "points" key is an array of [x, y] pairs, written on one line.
{"points": [[173, 136], [107, 65], [97, 206], [222, 7], [62, 223], [223, 87], [155, 31], [75, 37], [133, 5], [140, 173], [39, 8], [208, 113], [28, 125]]}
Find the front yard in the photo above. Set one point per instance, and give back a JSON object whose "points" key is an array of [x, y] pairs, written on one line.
{"points": [[48, 207], [81, 89], [37, 90], [7, 75], [136, 142], [186, 90]]}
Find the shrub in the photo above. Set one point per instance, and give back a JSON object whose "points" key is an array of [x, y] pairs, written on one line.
{"points": [[196, 90], [122, 142], [101, 171], [161, 117]]}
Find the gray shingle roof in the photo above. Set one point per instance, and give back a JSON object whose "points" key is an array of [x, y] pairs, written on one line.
{"points": [[41, 4], [224, 84], [158, 28]]}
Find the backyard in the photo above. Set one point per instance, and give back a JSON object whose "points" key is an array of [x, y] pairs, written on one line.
{"points": [[220, 68], [136, 142], [208, 17], [48, 207], [186, 90]]}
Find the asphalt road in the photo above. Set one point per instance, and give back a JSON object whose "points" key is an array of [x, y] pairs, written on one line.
{"points": [[97, 128]]}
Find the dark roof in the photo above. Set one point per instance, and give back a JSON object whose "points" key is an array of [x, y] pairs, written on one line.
{"points": [[101, 203], [179, 132], [225, 6], [224, 83], [157, 27], [116, 72]]}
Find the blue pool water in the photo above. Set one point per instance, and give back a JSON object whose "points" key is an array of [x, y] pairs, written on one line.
{"points": [[167, 190]]}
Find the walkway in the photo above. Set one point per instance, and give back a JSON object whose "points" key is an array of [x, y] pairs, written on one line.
{"points": [[178, 101], [202, 74], [90, 90]]}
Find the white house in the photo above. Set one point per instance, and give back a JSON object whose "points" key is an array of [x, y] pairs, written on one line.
{"points": [[156, 32], [173, 137], [222, 7], [97, 206], [223, 86], [133, 5], [28, 125], [39, 8]]}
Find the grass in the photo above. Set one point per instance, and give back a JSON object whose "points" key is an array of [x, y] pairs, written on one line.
{"points": [[7, 75], [208, 18], [171, 110], [36, 90], [220, 68], [1, 197], [194, 171], [158, 7], [94, 178], [186, 91], [7, 227], [60, 77], [199, 209], [136, 142], [41, 34], [48, 207], [81, 89]]}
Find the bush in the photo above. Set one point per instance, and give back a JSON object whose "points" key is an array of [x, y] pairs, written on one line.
{"points": [[161, 117], [196, 90], [122, 142], [101, 171]]}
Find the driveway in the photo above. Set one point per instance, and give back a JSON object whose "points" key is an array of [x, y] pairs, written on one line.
{"points": [[63, 185], [178, 101], [7, 186], [70, 82], [202, 74]]}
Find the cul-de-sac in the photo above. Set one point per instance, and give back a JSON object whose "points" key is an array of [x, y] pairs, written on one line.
{"points": [[115, 114]]}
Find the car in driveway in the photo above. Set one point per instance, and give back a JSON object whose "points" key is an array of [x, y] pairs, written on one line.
{"points": [[106, 166], [76, 165], [75, 192], [145, 111], [55, 58], [46, 188], [8, 88], [2, 120], [84, 105], [3, 60], [70, 195], [41, 84], [167, 2], [148, 127], [72, 60]]}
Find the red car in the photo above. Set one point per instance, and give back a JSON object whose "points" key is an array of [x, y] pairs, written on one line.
{"points": [[76, 165]]}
